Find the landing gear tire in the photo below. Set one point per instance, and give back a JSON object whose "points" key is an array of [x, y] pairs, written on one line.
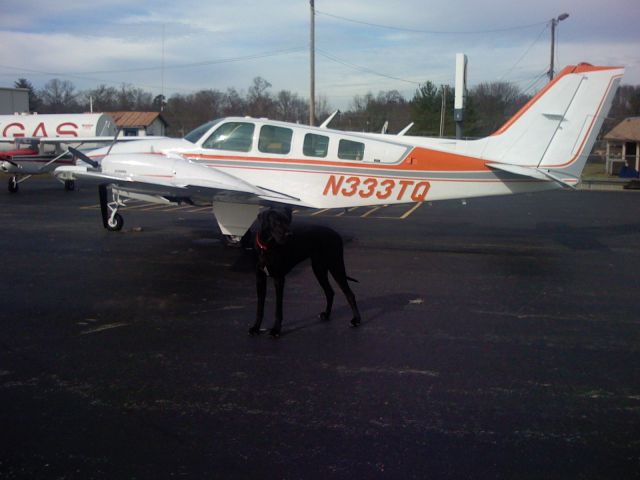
{"points": [[69, 185], [115, 224], [13, 185]]}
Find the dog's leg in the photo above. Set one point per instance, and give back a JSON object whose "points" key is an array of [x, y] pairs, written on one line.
{"points": [[340, 275], [277, 326], [321, 272], [261, 289]]}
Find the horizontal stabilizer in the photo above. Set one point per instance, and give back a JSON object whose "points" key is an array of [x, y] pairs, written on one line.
{"points": [[519, 170], [536, 173]]}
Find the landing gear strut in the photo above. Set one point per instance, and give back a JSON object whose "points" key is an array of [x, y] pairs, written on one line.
{"points": [[13, 184], [111, 219]]}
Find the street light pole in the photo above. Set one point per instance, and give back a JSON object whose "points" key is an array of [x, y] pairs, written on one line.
{"points": [[312, 54], [554, 23]]}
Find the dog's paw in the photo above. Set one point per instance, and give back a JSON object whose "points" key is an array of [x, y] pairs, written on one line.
{"points": [[254, 331], [324, 316], [355, 321], [275, 332]]}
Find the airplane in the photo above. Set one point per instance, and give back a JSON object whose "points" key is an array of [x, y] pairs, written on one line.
{"points": [[239, 164], [32, 144]]}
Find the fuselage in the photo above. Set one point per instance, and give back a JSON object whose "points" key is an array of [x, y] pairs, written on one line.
{"points": [[239, 163], [325, 168]]}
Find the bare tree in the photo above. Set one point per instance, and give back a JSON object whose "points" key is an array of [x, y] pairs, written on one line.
{"points": [[58, 96], [493, 104], [104, 98], [290, 107], [259, 100], [234, 104]]}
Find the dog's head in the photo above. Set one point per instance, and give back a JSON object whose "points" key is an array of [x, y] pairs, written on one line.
{"points": [[274, 225]]}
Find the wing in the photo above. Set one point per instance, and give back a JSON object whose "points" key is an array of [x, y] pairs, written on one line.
{"points": [[173, 177], [74, 140]]}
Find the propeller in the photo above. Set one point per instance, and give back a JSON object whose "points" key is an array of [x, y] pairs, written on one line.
{"points": [[84, 157], [102, 190]]}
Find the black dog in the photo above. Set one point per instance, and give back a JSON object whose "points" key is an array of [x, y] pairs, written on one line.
{"points": [[280, 248]]}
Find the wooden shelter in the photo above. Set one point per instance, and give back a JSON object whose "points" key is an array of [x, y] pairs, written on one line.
{"points": [[623, 146]]}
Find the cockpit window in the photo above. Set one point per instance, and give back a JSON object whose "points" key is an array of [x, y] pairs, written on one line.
{"points": [[235, 136], [194, 135]]}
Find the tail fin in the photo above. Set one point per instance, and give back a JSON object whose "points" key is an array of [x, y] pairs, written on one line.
{"points": [[552, 135]]}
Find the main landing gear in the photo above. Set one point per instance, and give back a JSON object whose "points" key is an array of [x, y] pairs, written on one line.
{"points": [[15, 181], [13, 184], [111, 219]]}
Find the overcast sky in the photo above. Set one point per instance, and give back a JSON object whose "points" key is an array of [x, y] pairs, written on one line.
{"points": [[217, 44]]}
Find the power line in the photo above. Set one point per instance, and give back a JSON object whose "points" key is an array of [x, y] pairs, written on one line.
{"points": [[362, 69], [436, 32], [534, 82], [177, 66], [526, 51], [80, 75]]}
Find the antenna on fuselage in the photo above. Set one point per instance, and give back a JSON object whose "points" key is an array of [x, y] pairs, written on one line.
{"points": [[405, 129], [329, 118]]}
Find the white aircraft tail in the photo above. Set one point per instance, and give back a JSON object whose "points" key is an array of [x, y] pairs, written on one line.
{"points": [[551, 137]]}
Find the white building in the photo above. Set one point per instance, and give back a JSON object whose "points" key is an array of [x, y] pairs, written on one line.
{"points": [[13, 100], [140, 124]]}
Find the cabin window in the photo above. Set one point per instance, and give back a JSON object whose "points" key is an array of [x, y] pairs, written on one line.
{"points": [[275, 139], [235, 136], [315, 145], [349, 150]]}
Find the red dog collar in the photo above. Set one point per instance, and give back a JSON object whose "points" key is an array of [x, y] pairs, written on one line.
{"points": [[260, 244]]}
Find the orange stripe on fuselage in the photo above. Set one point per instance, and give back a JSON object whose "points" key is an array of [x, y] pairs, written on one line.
{"points": [[418, 159], [429, 160]]}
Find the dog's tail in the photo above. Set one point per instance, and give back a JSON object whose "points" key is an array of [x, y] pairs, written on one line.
{"points": [[352, 279]]}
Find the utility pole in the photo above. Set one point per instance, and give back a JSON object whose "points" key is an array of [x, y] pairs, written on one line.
{"points": [[554, 24], [312, 46], [443, 106], [162, 73]]}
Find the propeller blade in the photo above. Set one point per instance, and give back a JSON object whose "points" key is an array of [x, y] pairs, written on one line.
{"points": [[82, 156], [102, 191], [115, 139]]}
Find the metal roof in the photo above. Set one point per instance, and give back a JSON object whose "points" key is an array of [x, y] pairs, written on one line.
{"points": [[136, 119], [627, 130]]}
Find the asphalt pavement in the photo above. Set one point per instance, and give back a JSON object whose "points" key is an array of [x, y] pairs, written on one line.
{"points": [[500, 339]]}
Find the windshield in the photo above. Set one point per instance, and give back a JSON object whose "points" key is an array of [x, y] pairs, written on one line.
{"points": [[194, 135]]}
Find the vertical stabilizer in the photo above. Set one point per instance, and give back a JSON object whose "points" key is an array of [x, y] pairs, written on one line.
{"points": [[556, 129]]}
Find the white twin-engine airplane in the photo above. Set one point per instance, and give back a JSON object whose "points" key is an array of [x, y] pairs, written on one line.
{"points": [[239, 164]]}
